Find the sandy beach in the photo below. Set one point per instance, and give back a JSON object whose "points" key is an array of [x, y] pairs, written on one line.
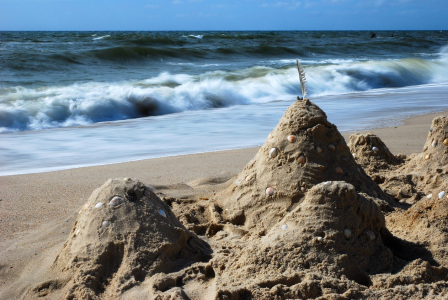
{"points": [[37, 211]]}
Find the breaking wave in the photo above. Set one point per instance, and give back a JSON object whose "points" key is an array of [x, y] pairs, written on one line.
{"points": [[81, 104]]}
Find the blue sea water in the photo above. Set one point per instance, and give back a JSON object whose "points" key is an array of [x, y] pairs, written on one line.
{"points": [[71, 99]]}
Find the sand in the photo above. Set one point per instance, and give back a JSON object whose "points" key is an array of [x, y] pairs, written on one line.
{"points": [[38, 212]]}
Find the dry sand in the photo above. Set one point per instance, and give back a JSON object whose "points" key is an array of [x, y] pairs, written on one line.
{"points": [[37, 213]]}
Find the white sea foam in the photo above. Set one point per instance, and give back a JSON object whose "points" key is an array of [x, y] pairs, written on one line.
{"points": [[101, 37], [87, 103]]}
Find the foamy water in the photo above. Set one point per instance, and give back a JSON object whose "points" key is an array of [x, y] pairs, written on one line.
{"points": [[204, 130], [71, 99]]}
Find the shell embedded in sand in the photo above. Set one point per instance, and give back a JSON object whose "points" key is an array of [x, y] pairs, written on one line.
{"points": [[126, 179], [354, 154], [319, 239], [339, 170], [269, 191], [327, 182], [116, 201], [430, 129], [318, 149], [375, 149], [442, 194], [106, 223], [301, 159], [347, 233], [445, 142], [86, 206], [284, 227], [162, 213], [303, 189], [331, 147], [429, 196], [428, 156], [99, 204], [292, 138], [249, 177], [273, 153], [434, 143], [370, 234]]}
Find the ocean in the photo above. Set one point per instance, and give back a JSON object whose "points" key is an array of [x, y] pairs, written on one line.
{"points": [[73, 99]]}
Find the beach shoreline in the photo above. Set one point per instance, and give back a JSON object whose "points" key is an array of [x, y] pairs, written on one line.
{"points": [[38, 210]]}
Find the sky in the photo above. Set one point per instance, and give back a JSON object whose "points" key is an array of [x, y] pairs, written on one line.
{"points": [[97, 15]]}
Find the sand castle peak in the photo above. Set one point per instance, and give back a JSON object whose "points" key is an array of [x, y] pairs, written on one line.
{"points": [[303, 150]]}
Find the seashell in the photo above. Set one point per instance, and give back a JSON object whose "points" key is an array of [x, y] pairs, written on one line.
{"points": [[375, 149], [429, 196], [354, 154], [259, 150], [428, 156], [445, 142], [442, 194], [302, 159], [273, 153], [126, 179], [284, 227], [162, 213], [339, 170], [327, 182], [434, 143], [77, 231], [347, 233], [331, 147], [303, 189], [370, 234], [319, 239], [116, 201], [318, 149], [292, 138], [106, 223], [86, 206], [99, 204], [430, 129], [249, 177], [269, 191]]}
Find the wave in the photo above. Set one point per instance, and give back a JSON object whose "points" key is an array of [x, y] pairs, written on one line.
{"points": [[80, 104]]}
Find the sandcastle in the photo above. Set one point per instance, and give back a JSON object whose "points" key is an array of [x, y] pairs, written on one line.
{"points": [[123, 234], [303, 150], [311, 223]]}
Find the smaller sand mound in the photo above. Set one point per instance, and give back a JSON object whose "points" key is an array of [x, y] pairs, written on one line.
{"points": [[372, 154], [426, 224], [411, 180], [122, 235], [435, 150], [334, 232], [303, 150]]}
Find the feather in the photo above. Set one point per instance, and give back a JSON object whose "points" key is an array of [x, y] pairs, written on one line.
{"points": [[302, 79]]}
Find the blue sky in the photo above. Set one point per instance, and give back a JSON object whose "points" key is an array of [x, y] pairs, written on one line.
{"points": [[223, 15]]}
